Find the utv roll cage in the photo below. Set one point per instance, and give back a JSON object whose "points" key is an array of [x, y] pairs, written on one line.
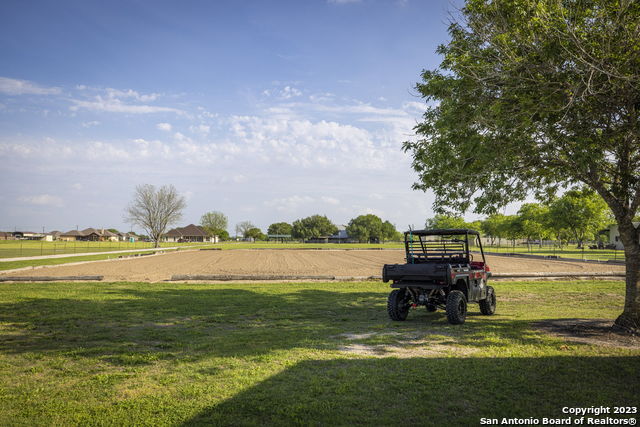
{"points": [[449, 245]]}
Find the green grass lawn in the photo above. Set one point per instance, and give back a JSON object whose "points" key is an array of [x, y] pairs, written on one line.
{"points": [[282, 354]]}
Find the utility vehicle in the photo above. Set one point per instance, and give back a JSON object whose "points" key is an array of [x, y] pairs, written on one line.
{"points": [[440, 273]]}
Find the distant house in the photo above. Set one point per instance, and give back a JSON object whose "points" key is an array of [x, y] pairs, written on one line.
{"points": [[88, 234], [55, 234], [28, 235], [6, 235], [99, 235], [341, 236], [126, 237], [190, 233], [71, 236], [614, 235]]}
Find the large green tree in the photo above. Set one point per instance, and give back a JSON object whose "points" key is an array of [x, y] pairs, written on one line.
{"points": [[445, 221], [389, 232], [582, 213], [215, 224], [281, 228], [532, 96], [313, 226], [533, 222], [254, 233], [493, 227], [365, 228]]}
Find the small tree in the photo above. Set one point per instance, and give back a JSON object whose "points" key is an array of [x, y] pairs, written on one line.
{"points": [[313, 226], [281, 228], [533, 222], [510, 228], [493, 227], [365, 228], [445, 221], [243, 227], [254, 233], [215, 224], [582, 213], [389, 232], [155, 210]]}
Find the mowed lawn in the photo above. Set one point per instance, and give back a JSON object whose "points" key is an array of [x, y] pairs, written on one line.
{"points": [[310, 353]]}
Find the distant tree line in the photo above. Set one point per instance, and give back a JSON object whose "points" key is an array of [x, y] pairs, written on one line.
{"points": [[578, 216], [364, 228]]}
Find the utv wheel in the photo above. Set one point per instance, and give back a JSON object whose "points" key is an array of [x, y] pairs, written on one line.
{"points": [[398, 305], [488, 305], [431, 307], [456, 308]]}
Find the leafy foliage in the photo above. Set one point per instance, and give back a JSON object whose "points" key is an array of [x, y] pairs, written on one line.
{"points": [[533, 221], [243, 227], [282, 228], [254, 233], [582, 213], [215, 223], [389, 232], [531, 97], [445, 221], [365, 228], [313, 226]]}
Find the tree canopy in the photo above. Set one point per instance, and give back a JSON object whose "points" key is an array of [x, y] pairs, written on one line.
{"points": [[215, 224], [582, 213], [254, 233], [365, 228], [445, 221], [244, 226], [313, 226], [532, 97], [281, 228]]}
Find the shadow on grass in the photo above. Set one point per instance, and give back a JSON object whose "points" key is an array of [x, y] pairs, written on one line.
{"points": [[136, 325], [428, 391]]}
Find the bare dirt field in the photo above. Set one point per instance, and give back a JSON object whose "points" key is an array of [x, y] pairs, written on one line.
{"points": [[284, 262]]}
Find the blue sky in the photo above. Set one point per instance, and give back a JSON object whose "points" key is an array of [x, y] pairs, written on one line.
{"points": [[266, 111]]}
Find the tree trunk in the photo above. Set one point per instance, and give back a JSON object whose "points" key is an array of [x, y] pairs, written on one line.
{"points": [[630, 317]]}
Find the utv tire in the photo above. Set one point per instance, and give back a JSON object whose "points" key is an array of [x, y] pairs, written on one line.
{"points": [[488, 305], [431, 307], [456, 308], [398, 305]]}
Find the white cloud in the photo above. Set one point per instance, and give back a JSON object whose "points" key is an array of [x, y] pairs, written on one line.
{"points": [[24, 87], [106, 152], [303, 143], [90, 124], [414, 107], [112, 105], [330, 200], [129, 93], [291, 203], [200, 129], [42, 200], [164, 127], [289, 92], [77, 186], [343, 1]]}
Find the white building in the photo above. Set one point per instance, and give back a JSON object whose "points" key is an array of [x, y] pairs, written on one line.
{"points": [[614, 235]]}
